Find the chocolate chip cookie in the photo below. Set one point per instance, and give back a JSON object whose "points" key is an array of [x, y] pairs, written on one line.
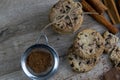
{"points": [[115, 56], [79, 64], [110, 41], [89, 44], [67, 16]]}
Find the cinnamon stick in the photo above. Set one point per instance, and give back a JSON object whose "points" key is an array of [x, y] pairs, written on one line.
{"points": [[97, 5], [101, 19], [119, 6], [112, 11]]}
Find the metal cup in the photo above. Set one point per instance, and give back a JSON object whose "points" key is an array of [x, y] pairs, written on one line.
{"points": [[53, 53]]}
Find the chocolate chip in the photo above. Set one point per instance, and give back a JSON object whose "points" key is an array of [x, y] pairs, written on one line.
{"points": [[83, 71], [75, 18], [78, 38], [90, 44], [75, 56], [88, 62], [91, 50], [106, 43], [67, 17], [71, 46], [54, 6], [61, 27], [114, 63], [78, 44], [59, 17], [70, 58], [79, 63], [72, 65], [102, 43], [95, 60], [117, 50], [106, 39], [93, 33], [68, 2], [94, 39], [81, 33], [98, 46], [110, 36], [85, 35], [69, 24], [118, 65], [98, 38], [58, 24], [76, 69], [62, 11], [76, 47], [82, 46], [67, 7]]}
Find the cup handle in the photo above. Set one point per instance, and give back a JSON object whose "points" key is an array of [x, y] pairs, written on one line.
{"points": [[44, 36]]}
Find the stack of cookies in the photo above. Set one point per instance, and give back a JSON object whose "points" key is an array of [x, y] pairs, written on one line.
{"points": [[112, 49], [115, 56], [85, 52], [110, 41], [66, 16], [87, 48]]}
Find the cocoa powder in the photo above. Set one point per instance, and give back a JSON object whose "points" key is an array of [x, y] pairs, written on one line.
{"points": [[39, 61]]}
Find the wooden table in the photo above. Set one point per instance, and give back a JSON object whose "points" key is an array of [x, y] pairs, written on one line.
{"points": [[20, 23]]}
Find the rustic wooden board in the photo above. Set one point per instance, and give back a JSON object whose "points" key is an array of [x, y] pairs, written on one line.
{"points": [[20, 23]]}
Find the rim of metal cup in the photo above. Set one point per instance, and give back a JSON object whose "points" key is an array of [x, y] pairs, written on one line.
{"points": [[54, 55]]}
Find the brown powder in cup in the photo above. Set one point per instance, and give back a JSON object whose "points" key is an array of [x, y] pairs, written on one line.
{"points": [[39, 61]]}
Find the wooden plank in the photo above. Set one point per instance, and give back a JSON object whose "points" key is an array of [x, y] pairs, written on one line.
{"points": [[17, 12], [17, 75]]}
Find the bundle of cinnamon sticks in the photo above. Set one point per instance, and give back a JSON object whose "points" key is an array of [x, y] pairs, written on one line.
{"points": [[98, 7], [112, 11]]}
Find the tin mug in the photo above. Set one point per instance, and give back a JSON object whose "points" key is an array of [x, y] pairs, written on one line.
{"points": [[53, 53]]}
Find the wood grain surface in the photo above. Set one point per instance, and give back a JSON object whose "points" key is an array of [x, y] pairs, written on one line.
{"points": [[20, 23]]}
